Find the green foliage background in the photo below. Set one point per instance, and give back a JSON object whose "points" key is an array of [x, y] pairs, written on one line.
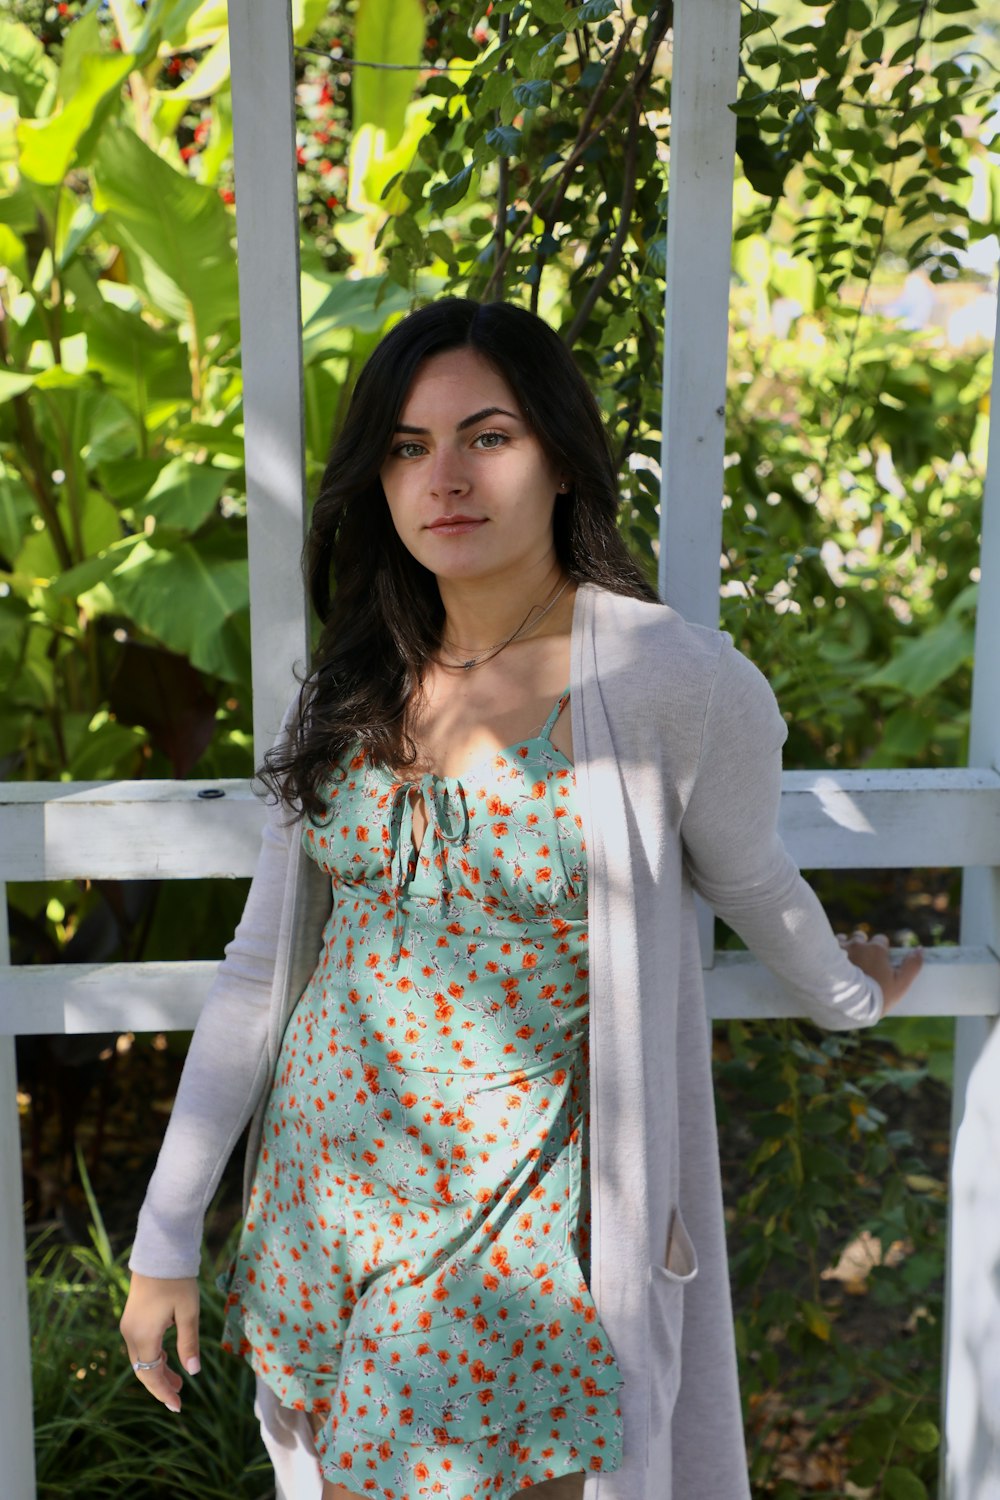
{"points": [[520, 150]]}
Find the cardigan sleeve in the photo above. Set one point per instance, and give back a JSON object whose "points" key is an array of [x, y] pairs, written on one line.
{"points": [[223, 1076], [737, 862]]}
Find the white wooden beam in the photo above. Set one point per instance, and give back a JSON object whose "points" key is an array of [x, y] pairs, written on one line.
{"points": [[971, 1453], [16, 1433], [953, 982], [267, 222], [128, 830], [74, 999], [703, 83], [148, 830]]}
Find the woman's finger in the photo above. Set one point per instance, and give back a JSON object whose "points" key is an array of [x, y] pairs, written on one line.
{"points": [[159, 1379], [187, 1339]]}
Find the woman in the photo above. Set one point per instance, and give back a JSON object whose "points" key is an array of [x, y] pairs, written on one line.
{"points": [[483, 1149]]}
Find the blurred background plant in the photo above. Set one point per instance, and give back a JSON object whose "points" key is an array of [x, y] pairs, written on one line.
{"points": [[521, 151]]}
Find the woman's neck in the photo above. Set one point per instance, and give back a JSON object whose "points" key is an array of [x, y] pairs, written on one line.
{"points": [[479, 614]]}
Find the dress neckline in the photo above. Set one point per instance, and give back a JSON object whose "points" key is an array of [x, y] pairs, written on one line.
{"points": [[395, 779]]}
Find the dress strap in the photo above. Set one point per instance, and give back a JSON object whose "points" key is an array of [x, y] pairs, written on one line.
{"points": [[545, 732]]}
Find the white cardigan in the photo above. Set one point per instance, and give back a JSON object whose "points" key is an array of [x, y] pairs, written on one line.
{"points": [[677, 742]]}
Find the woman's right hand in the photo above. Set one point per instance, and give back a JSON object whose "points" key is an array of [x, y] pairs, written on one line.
{"points": [[155, 1304]]}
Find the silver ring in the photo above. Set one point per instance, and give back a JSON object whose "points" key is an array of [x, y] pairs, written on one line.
{"points": [[148, 1364]]}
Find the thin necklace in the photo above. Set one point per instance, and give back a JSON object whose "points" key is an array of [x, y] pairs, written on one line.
{"points": [[477, 660]]}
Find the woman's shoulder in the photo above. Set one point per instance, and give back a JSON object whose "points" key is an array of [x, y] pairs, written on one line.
{"points": [[650, 660], [653, 635]]}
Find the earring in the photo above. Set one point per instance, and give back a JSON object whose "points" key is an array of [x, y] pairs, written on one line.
{"points": [[564, 486]]}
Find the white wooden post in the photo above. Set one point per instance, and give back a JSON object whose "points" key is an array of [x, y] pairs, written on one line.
{"points": [[16, 1433], [704, 82], [267, 221], [696, 336], [267, 218], [971, 1454]]}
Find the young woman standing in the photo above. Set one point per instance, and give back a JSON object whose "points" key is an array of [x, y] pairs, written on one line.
{"points": [[464, 1004]]}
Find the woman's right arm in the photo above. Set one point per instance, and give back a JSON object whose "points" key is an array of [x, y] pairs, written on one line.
{"points": [[223, 1077]]}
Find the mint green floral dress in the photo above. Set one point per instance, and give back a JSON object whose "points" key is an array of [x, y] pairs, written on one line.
{"points": [[413, 1265]]}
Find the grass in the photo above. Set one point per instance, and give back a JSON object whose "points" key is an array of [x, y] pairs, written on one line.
{"points": [[97, 1432]]}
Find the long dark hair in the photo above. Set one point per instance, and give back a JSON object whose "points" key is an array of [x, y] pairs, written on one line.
{"points": [[380, 609]]}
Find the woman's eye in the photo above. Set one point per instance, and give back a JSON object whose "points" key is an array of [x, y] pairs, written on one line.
{"points": [[408, 450], [492, 439]]}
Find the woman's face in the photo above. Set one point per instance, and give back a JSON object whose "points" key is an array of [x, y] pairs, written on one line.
{"points": [[469, 487]]}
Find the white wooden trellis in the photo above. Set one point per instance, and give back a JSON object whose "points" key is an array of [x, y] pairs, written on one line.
{"points": [[151, 830]]}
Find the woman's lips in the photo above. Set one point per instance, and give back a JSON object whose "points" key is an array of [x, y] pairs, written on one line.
{"points": [[455, 525]]}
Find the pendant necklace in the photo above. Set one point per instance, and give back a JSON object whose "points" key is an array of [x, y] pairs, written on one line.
{"points": [[477, 659]]}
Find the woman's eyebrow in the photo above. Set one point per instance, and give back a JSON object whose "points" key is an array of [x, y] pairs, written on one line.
{"points": [[477, 416]]}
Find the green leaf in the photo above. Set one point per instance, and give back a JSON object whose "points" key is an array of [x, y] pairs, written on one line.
{"points": [[495, 90], [954, 7], [903, 1484], [872, 43], [191, 599], [335, 309], [593, 11], [386, 31], [859, 16], [179, 233], [953, 34], [184, 495], [14, 383], [923, 662], [17, 506], [76, 582], [445, 194], [26, 70], [306, 18], [923, 1436], [48, 147], [106, 751], [534, 93], [817, 1320], [908, 49], [551, 12], [503, 140], [142, 364]]}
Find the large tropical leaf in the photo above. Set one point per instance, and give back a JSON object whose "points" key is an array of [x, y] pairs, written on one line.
{"points": [[89, 87], [386, 31], [26, 71], [178, 232], [145, 366], [17, 505], [193, 600], [183, 495]]}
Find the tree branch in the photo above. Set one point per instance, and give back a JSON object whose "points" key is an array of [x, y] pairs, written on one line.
{"points": [[603, 277], [503, 178]]}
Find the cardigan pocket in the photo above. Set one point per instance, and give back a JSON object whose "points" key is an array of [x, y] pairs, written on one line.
{"points": [[666, 1322]]}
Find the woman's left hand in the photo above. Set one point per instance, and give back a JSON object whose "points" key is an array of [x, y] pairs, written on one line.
{"points": [[872, 956]]}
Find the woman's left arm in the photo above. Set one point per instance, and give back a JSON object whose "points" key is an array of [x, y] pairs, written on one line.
{"points": [[737, 861]]}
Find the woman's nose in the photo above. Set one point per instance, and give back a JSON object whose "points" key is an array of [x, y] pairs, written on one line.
{"points": [[448, 475]]}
